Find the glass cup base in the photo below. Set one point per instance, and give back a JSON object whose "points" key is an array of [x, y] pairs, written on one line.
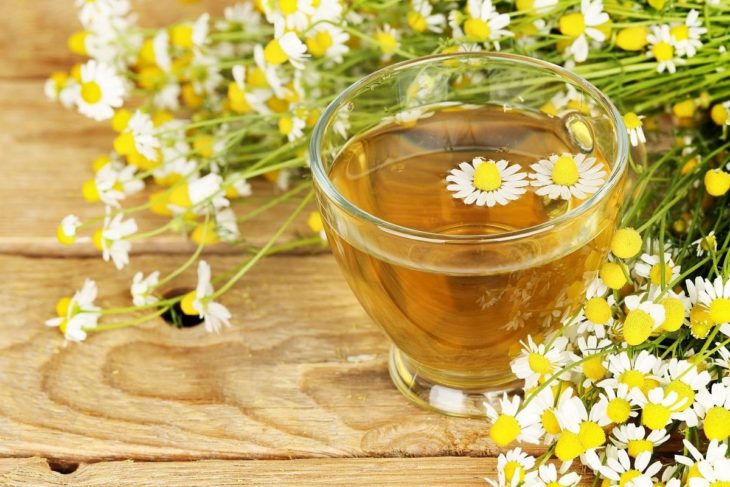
{"points": [[418, 385]]}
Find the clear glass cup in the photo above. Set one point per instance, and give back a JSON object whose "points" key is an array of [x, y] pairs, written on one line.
{"points": [[456, 304]]}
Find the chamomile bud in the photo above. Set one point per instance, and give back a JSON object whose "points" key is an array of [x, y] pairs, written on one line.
{"points": [[717, 182], [626, 243]]}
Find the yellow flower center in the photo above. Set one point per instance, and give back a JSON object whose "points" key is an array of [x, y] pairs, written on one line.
{"points": [[708, 243], [685, 394], [288, 7], [568, 446], [632, 38], [62, 306], [416, 21], [593, 369], [655, 416], [565, 171], [720, 310], [700, 321], [632, 378], [237, 98], [487, 176], [719, 114], [182, 36], [205, 233], [680, 32], [179, 196], [598, 311], [684, 108], [628, 476], [120, 119], [91, 92], [638, 325], [97, 238], [626, 242], [257, 78], [591, 435], [274, 54], [286, 125], [63, 238], [477, 29], [513, 470], [550, 422], [717, 182], [618, 410], [186, 304], [632, 121], [505, 430], [318, 44], [656, 271], [539, 364], [717, 423], [663, 51], [525, 5], [387, 42], [573, 24], [314, 221], [673, 314], [612, 275], [203, 145], [89, 191], [77, 42], [637, 447]]}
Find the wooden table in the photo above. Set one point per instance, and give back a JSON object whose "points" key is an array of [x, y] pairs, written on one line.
{"points": [[295, 393]]}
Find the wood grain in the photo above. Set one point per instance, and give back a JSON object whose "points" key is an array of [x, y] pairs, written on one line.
{"points": [[302, 373], [344, 472]]}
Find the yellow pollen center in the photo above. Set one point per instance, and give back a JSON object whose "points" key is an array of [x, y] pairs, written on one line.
{"points": [[636, 447], [525, 5], [717, 423], [628, 476], [477, 29], [487, 176], [416, 21], [680, 32], [655, 416], [505, 430], [550, 422], [539, 364], [663, 51], [700, 321], [632, 378], [685, 394], [386, 41], [318, 44], [720, 310], [91, 92], [632, 121], [274, 54], [618, 410], [565, 171], [638, 325], [573, 24], [288, 7], [655, 274], [591, 435], [514, 470], [593, 369], [598, 311], [568, 446], [186, 304], [612, 275], [673, 314], [63, 305]]}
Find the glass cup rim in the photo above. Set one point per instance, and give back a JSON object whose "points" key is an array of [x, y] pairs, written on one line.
{"points": [[321, 177]]}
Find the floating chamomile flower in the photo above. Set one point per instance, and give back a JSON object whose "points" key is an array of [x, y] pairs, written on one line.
{"points": [[633, 126], [567, 175], [487, 182], [687, 35], [662, 49], [100, 91]]}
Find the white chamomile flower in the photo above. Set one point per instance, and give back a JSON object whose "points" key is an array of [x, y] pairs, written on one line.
{"points": [[227, 225], [658, 407], [62, 88], [208, 77], [293, 14], [715, 452], [567, 175], [143, 132], [712, 406], [388, 40], [512, 469], [115, 181], [622, 471], [614, 406], [328, 41], [580, 26], [421, 18], [285, 46], [687, 35], [66, 231], [590, 347], [716, 297], [161, 50], [634, 439], [662, 49], [634, 128], [658, 273], [574, 417], [723, 360], [484, 24], [548, 476], [243, 13], [512, 423], [292, 126], [215, 316], [96, 12], [113, 240], [142, 287], [78, 314], [695, 289], [487, 182], [712, 474], [642, 318], [537, 362], [635, 371], [101, 90], [708, 243], [200, 30]]}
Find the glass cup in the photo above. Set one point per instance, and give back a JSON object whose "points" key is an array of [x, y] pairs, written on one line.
{"points": [[457, 303]]}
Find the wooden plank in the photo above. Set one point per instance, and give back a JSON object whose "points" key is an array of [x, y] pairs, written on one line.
{"points": [[424, 472], [47, 154], [302, 373], [34, 32]]}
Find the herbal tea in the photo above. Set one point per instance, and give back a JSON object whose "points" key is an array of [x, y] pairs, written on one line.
{"points": [[456, 311]]}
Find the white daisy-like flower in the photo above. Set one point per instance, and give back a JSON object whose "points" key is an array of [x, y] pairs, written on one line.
{"points": [[513, 469], [548, 409], [285, 46], [101, 90], [537, 362], [642, 318], [548, 476], [142, 128], [512, 423], [274, 78], [388, 40], [243, 13], [421, 18], [723, 360], [582, 26], [634, 371], [712, 473], [142, 287], [115, 181], [614, 406], [716, 297], [590, 346], [687, 35], [649, 266], [711, 407], [708, 243], [114, 238], [695, 289], [661, 48], [634, 128], [215, 316], [294, 15], [634, 439], [227, 225], [328, 41], [574, 417], [101, 12], [622, 471], [161, 50], [487, 182], [715, 452], [292, 127], [659, 407], [208, 77], [207, 189], [484, 24], [81, 314], [567, 175], [66, 231]]}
